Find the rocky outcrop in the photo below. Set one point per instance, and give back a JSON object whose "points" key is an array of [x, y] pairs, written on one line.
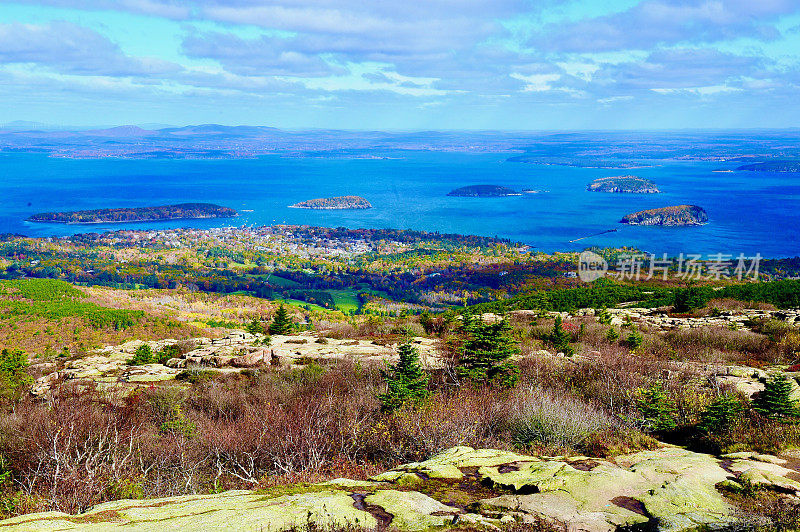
{"points": [[108, 367], [667, 489]]}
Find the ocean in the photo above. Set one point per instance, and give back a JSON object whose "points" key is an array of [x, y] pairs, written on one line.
{"points": [[749, 212]]}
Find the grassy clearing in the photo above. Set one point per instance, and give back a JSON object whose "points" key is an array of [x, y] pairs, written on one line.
{"points": [[43, 315]]}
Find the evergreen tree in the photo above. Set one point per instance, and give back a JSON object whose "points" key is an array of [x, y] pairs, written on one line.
{"points": [[634, 340], [721, 414], [406, 381], [775, 401], [656, 407], [485, 352], [690, 298], [560, 338], [142, 355], [612, 335], [281, 322], [603, 316], [255, 327], [13, 374]]}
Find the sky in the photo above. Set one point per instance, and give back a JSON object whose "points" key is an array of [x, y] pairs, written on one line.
{"points": [[403, 65]]}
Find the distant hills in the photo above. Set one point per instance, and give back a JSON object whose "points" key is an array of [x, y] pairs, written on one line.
{"points": [[606, 150]]}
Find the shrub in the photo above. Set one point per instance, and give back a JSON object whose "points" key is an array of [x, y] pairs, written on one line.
{"points": [[309, 373], [195, 375], [656, 408], [165, 353], [775, 401], [142, 355], [485, 352], [634, 340], [177, 423], [542, 418], [612, 335], [721, 414], [406, 381], [603, 316]]}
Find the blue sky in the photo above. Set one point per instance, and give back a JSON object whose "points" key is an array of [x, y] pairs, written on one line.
{"points": [[389, 64]]}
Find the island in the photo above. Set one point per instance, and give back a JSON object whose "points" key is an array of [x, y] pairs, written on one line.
{"points": [[623, 184], [335, 203], [181, 211], [674, 216], [772, 166], [483, 191]]}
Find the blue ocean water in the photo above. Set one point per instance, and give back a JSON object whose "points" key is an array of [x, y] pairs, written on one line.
{"points": [[748, 212]]}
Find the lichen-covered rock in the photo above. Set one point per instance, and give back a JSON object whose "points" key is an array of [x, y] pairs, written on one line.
{"points": [[234, 510], [668, 489]]}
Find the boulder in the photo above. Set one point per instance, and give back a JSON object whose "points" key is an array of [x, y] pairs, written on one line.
{"points": [[256, 358]]}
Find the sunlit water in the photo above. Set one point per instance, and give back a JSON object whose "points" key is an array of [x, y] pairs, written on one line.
{"points": [[748, 212]]}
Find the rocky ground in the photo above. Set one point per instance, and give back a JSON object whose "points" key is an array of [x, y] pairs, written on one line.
{"points": [[662, 320], [667, 489], [109, 367]]}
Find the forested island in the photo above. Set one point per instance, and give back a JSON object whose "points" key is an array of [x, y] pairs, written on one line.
{"points": [[626, 184], [483, 191], [676, 215], [335, 203], [772, 166], [181, 211]]}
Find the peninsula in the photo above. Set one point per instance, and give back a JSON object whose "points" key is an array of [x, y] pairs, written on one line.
{"points": [[625, 184], [772, 166], [483, 191], [181, 211], [673, 216], [335, 203]]}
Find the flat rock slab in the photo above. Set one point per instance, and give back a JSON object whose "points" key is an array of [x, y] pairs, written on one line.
{"points": [[668, 489]]}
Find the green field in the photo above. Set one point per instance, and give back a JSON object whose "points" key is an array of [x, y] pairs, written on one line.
{"points": [[278, 280], [347, 299]]}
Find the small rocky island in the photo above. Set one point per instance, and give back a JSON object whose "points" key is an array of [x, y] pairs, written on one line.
{"points": [[624, 184], [674, 216], [483, 191], [182, 211], [335, 203]]}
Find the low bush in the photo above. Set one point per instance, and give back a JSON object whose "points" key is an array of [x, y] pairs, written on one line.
{"points": [[543, 419]]}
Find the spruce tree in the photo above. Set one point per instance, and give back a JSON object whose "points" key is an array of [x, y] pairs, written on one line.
{"points": [[281, 322], [560, 338], [485, 352], [13, 374], [656, 407], [775, 401], [721, 414], [406, 381]]}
